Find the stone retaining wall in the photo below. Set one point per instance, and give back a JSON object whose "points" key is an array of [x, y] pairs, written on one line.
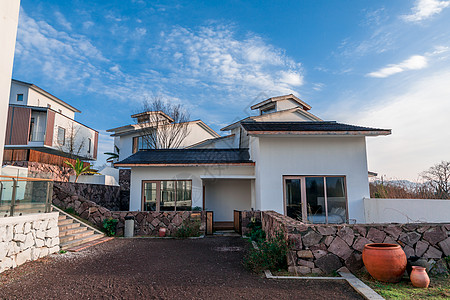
{"points": [[27, 238], [42, 170], [107, 196], [146, 222], [326, 248]]}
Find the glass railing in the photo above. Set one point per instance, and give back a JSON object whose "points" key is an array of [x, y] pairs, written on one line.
{"points": [[23, 195]]}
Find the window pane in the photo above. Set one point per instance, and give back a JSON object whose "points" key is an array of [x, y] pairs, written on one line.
{"points": [[293, 199], [315, 200], [167, 196], [184, 195], [336, 200], [150, 196]]}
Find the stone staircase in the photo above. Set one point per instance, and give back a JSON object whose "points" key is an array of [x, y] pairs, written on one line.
{"points": [[73, 232]]}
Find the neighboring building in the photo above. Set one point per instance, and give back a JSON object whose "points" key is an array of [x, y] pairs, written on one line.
{"points": [[9, 17], [129, 138], [44, 124], [285, 159]]}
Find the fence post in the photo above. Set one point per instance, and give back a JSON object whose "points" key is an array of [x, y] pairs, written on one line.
{"points": [[48, 202], [13, 198]]}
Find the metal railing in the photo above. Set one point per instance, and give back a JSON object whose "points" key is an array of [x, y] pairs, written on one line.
{"points": [[23, 195]]}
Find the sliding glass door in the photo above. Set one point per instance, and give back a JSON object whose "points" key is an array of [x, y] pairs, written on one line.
{"points": [[316, 199]]}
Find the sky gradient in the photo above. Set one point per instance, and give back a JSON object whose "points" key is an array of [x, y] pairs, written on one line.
{"points": [[384, 64]]}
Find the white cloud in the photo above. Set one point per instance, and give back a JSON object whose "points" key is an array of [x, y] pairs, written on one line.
{"points": [[214, 56], [88, 24], [63, 21], [415, 62], [424, 9]]}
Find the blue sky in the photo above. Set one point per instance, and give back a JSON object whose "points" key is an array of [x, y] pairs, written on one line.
{"points": [[374, 63]]}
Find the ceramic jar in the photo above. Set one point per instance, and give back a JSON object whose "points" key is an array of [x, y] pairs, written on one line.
{"points": [[419, 277], [162, 232], [384, 262]]}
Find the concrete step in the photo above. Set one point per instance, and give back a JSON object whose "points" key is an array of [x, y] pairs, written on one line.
{"points": [[67, 226], [61, 217], [72, 231], [80, 241], [70, 237], [65, 222]]}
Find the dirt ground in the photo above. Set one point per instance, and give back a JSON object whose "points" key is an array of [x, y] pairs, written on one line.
{"points": [[208, 268]]}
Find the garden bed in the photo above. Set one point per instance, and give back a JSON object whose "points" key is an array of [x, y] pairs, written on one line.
{"points": [[439, 288]]}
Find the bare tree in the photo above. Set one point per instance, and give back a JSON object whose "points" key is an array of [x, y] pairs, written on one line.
{"points": [[163, 125], [72, 144], [438, 177]]}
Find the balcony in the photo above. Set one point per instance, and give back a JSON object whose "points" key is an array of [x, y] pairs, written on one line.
{"points": [[22, 195]]}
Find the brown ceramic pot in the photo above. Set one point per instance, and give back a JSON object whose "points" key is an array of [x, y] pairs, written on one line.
{"points": [[419, 277], [385, 262]]}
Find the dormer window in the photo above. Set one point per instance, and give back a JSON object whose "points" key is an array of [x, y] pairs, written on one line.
{"points": [[268, 110]]}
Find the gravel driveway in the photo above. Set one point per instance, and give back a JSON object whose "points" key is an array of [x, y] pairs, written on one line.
{"points": [[208, 268]]}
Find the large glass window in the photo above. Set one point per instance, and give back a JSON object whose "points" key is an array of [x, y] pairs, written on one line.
{"points": [[140, 143], [316, 199], [167, 195], [61, 136]]}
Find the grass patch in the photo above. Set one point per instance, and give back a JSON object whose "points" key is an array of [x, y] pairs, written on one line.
{"points": [[439, 288]]}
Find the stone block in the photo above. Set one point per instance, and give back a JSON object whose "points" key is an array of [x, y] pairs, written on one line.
{"points": [[434, 235], [375, 235], [362, 230], [389, 240], [291, 258], [328, 240], [346, 234], [40, 243], [440, 268], [393, 230], [422, 229], [9, 233], [409, 251], [43, 252], [35, 252], [53, 249], [43, 225], [329, 263], [295, 241], [306, 263], [433, 253], [23, 257], [48, 242], [19, 237], [326, 230], [27, 228], [305, 254], [40, 234], [5, 264], [52, 232], [445, 246], [316, 271], [2, 233], [13, 248], [409, 238], [311, 238], [318, 253], [18, 228], [421, 248], [354, 262], [52, 223], [3, 249], [29, 241], [299, 270], [360, 242], [340, 248]]}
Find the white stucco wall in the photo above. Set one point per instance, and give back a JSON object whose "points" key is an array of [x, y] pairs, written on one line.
{"points": [[82, 133], [9, 17], [18, 89], [138, 174], [225, 195], [406, 210], [280, 156]]}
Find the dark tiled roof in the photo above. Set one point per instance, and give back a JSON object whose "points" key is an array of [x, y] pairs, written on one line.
{"points": [[305, 126], [187, 156]]}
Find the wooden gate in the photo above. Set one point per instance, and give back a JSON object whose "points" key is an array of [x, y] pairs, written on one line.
{"points": [[209, 222], [237, 221]]}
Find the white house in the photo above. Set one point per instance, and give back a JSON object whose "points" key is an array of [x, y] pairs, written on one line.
{"points": [[285, 159], [39, 121], [129, 138]]}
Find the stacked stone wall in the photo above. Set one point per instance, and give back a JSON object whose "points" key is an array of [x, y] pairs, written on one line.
{"points": [[42, 170], [326, 248], [146, 222], [107, 196], [27, 238]]}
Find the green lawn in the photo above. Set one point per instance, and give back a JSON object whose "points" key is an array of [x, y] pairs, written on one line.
{"points": [[439, 288]]}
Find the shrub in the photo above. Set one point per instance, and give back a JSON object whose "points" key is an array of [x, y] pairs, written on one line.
{"points": [[109, 225], [271, 255], [70, 211], [189, 228], [256, 233]]}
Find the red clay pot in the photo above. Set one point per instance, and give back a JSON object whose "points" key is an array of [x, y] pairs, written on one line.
{"points": [[385, 262], [419, 277], [162, 232]]}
